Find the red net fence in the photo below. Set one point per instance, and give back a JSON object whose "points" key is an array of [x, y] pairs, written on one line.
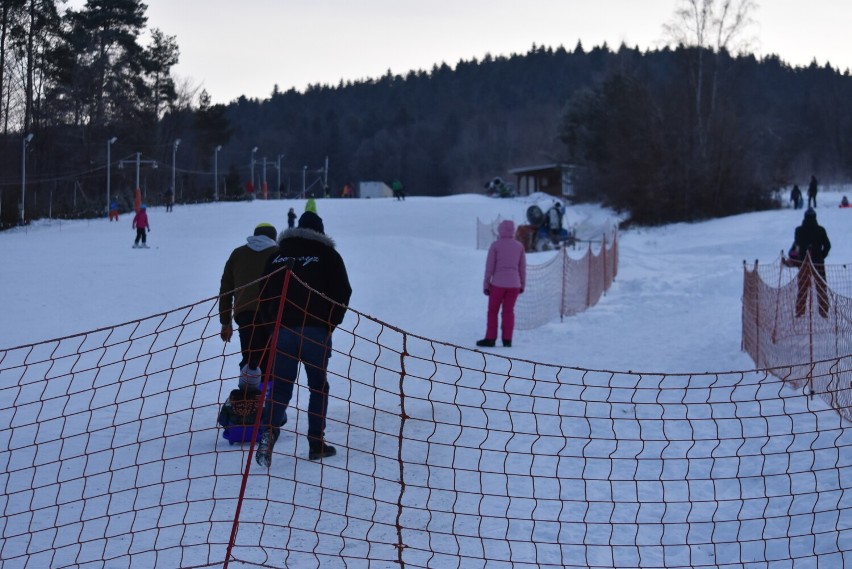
{"points": [[111, 456], [798, 322], [567, 284]]}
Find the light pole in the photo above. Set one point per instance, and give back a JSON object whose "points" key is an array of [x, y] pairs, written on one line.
{"points": [[110, 142], [263, 186], [253, 150], [174, 167], [280, 156], [26, 141], [304, 178], [216, 173]]}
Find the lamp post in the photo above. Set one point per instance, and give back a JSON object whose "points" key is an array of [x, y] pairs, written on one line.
{"points": [[174, 167], [253, 150], [304, 179], [216, 173], [110, 142], [280, 156], [26, 141], [263, 186]]}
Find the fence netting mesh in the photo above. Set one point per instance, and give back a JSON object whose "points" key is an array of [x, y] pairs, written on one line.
{"points": [[798, 322], [111, 456]]}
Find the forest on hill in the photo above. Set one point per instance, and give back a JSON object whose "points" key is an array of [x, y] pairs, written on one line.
{"points": [[678, 133]]}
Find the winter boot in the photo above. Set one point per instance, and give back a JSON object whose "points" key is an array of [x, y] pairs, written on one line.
{"points": [[507, 343], [486, 343], [263, 456], [320, 450]]}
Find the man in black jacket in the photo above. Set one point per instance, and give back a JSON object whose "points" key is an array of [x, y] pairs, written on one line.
{"points": [[315, 301], [811, 242]]}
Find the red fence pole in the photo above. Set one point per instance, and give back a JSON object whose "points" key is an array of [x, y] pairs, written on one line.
{"points": [[267, 376]]}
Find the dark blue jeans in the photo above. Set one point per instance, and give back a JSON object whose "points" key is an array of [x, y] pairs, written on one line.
{"points": [[312, 347]]}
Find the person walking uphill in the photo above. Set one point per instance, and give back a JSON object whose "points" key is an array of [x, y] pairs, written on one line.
{"points": [[310, 314], [238, 297], [142, 227], [812, 191], [811, 242], [505, 279]]}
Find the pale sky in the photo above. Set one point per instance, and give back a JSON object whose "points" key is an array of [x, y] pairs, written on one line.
{"points": [[245, 47]]}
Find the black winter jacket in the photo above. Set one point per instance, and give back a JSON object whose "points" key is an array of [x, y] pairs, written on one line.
{"points": [[320, 266], [811, 237]]}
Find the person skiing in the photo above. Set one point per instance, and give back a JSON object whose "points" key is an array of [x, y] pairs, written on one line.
{"points": [[142, 227], [810, 248], [308, 318], [113, 210], [812, 191], [505, 278]]}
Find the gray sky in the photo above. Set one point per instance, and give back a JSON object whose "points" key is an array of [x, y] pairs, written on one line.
{"points": [[245, 47]]}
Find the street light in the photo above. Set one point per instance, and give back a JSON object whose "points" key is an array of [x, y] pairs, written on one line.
{"points": [[253, 150], [304, 177], [280, 156], [174, 157], [110, 142], [216, 173], [26, 141]]}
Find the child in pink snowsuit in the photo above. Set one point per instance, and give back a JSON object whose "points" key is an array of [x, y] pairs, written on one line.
{"points": [[505, 279]]}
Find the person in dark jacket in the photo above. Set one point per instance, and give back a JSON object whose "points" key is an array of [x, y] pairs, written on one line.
{"points": [[238, 297], [291, 219], [796, 197], [812, 191], [810, 248], [315, 301]]}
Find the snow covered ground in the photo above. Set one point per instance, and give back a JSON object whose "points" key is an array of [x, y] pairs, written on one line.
{"points": [[674, 306]]}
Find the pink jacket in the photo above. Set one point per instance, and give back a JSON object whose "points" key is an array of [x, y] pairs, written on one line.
{"points": [[140, 220], [506, 265]]}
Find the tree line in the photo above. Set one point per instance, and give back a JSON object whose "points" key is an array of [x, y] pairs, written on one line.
{"points": [[685, 132]]}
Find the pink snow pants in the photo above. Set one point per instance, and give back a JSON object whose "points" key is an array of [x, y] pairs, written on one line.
{"points": [[506, 298]]}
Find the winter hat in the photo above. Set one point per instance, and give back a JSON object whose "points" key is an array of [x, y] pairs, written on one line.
{"points": [[310, 220], [810, 213], [266, 229], [143, 206]]}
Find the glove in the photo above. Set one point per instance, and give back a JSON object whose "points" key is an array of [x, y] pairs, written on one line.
{"points": [[226, 333], [487, 291], [249, 377]]}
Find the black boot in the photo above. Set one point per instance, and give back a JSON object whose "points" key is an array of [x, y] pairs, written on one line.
{"points": [[321, 450], [507, 343], [486, 343]]}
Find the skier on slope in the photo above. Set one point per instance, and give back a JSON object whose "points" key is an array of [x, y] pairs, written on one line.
{"points": [[141, 225]]}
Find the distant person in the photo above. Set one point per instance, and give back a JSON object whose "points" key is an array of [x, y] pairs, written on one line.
{"points": [[347, 190], [307, 322], [554, 221], [398, 189], [796, 197], [810, 248], [291, 218], [142, 227], [812, 192], [238, 298], [170, 200], [844, 202], [113, 210], [505, 279]]}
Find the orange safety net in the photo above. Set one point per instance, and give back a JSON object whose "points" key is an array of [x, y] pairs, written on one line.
{"points": [[797, 321], [111, 456]]}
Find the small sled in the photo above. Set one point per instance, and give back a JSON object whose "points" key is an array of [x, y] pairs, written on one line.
{"points": [[238, 415]]}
